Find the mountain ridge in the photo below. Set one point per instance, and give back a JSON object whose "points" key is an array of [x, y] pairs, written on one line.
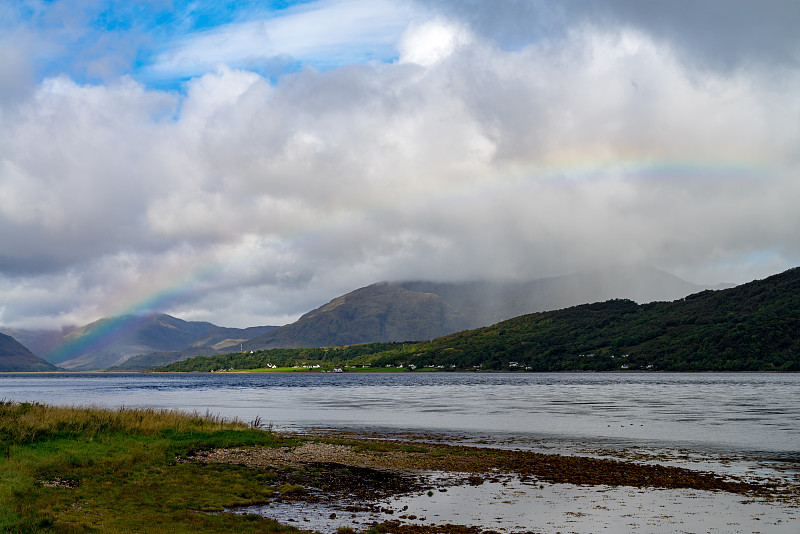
{"points": [[375, 313], [380, 312], [110, 341], [750, 327], [15, 357]]}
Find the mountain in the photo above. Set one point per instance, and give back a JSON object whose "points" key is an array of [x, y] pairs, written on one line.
{"points": [[215, 341], [752, 327], [38, 341], [485, 303], [14, 357], [418, 310], [111, 341], [380, 312]]}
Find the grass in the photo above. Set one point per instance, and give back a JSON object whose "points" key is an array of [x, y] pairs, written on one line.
{"points": [[318, 370], [274, 370], [73, 470]]}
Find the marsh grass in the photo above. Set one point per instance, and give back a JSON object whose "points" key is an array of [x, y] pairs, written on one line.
{"points": [[27, 423], [96, 470]]}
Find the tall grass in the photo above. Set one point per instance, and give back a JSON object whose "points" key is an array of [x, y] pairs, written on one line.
{"points": [[117, 470], [30, 422]]}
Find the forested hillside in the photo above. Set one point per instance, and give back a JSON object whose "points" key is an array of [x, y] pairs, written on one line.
{"points": [[755, 326], [752, 327], [329, 357]]}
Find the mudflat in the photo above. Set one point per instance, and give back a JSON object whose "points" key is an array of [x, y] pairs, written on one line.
{"points": [[328, 483]]}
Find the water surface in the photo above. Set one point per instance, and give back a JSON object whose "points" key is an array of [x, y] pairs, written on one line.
{"points": [[741, 424], [739, 413]]}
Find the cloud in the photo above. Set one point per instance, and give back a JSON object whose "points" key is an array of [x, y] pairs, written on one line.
{"points": [[587, 136], [428, 43], [325, 33], [721, 36]]}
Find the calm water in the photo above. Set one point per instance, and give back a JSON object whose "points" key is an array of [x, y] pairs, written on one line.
{"points": [[741, 413]]}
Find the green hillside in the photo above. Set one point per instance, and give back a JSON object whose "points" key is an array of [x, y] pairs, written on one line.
{"points": [[399, 311], [752, 327], [326, 357]]}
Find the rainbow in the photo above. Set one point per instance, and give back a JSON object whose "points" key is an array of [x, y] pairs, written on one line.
{"points": [[566, 170], [572, 169], [107, 331]]}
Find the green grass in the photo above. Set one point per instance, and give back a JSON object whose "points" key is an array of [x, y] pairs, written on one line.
{"points": [[319, 370], [275, 370], [118, 471], [374, 370]]}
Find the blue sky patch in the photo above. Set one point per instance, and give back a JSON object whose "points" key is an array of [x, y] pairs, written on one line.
{"points": [[163, 48]]}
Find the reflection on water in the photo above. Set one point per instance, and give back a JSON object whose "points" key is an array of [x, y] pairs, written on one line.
{"points": [[722, 412], [511, 505]]}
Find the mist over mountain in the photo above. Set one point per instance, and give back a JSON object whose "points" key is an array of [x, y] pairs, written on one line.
{"points": [[14, 357], [385, 311], [485, 303], [379, 312], [750, 327], [111, 341], [39, 341], [216, 340], [419, 310]]}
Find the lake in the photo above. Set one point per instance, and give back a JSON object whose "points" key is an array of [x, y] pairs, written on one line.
{"points": [[749, 414]]}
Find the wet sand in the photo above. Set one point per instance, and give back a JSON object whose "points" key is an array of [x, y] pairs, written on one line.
{"points": [[426, 486]]}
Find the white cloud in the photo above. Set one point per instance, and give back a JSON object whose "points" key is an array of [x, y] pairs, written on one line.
{"points": [[248, 202], [325, 33], [428, 43]]}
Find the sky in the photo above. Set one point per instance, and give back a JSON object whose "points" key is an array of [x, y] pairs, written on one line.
{"points": [[245, 162]]}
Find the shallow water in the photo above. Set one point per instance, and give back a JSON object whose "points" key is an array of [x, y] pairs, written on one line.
{"points": [[514, 506]]}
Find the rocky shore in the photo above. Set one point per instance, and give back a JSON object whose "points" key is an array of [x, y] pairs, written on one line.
{"points": [[352, 475]]}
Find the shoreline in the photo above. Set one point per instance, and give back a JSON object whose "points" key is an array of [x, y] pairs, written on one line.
{"points": [[391, 472], [399, 371], [401, 456], [127, 469]]}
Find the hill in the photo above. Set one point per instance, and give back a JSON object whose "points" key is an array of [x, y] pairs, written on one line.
{"points": [[14, 357], [382, 312], [752, 327], [486, 303], [38, 341], [376, 313], [216, 340], [111, 341], [419, 310]]}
